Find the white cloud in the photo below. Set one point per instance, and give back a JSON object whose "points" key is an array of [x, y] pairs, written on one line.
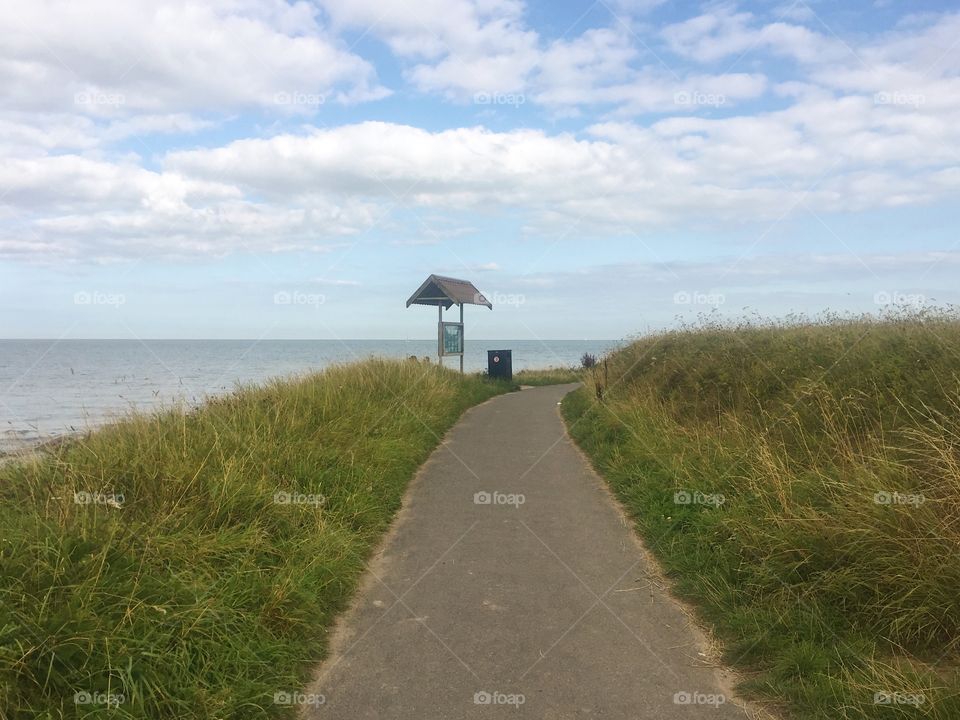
{"points": [[598, 68], [679, 168], [832, 145], [32, 134], [105, 59], [919, 62], [458, 47], [462, 48], [825, 153], [27, 134], [72, 207], [724, 33]]}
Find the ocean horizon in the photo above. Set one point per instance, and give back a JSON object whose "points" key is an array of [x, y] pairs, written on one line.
{"points": [[51, 388]]}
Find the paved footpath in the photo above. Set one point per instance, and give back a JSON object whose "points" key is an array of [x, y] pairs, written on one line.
{"points": [[480, 606]]}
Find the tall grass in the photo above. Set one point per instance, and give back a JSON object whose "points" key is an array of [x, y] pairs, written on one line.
{"points": [[547, 376], [824, 543], [201, 579]]}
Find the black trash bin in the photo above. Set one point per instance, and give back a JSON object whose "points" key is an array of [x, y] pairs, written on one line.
{"points": [[500, 364]]}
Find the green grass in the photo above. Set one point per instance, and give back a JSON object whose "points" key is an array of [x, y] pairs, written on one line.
{"points": [[201, 595], [821, 594], [548, 376]]}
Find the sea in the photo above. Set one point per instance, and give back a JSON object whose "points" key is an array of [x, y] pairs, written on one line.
{"points": [[49, 388]]}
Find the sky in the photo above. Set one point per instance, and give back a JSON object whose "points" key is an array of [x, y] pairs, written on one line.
{"points": [[270, 169]]}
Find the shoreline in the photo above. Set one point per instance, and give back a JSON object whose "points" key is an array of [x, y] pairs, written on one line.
{"points": [[39, 447]]}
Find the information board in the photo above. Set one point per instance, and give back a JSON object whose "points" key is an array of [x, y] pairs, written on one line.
{"points": [[451, 338]]}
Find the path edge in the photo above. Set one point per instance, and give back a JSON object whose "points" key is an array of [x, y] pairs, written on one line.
{"points": [[338, 636], [705, 639]]}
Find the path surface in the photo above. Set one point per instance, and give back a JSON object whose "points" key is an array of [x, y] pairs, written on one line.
{"points": [[548, 602]]}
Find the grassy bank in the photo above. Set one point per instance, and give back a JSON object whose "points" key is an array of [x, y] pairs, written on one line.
{"points": [[547, 376], [187, 565], [801, 483]]}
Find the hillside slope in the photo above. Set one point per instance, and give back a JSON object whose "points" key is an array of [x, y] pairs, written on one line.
{"points": [[188, 564], [801, 482]]}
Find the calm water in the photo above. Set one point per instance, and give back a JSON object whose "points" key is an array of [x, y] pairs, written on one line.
{"points": [[50, 388]]}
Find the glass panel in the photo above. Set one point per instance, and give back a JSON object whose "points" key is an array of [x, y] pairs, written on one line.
{"points": [[452, 339]]}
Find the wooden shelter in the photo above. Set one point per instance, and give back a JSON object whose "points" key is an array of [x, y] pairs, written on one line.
{"points": [[445, 292]]}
